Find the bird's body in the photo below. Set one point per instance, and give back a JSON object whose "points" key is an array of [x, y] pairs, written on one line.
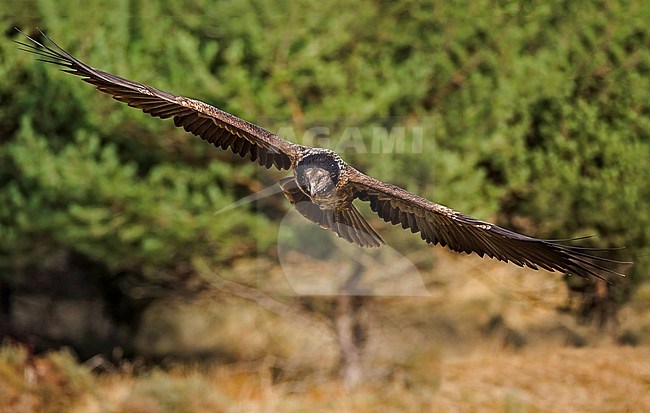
{"points": [[323, 187]]}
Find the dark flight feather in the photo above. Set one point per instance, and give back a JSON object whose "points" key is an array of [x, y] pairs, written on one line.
{"points": [[438, 224], [209, 123]]}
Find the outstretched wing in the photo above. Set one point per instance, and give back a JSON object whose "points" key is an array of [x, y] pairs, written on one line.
{"points": [[211, 124], [438, 224], [346, 223]]}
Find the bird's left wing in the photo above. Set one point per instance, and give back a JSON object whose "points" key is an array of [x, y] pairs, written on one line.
{"points": [[209, 123], [438, 224]]}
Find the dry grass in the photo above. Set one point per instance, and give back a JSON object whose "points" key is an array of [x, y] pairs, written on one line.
{"points": [[49, 383], [441, 353], [603, 379], [608, 379]]}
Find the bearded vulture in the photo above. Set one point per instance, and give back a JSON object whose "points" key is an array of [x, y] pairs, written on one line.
{"points": [[323, 186]]}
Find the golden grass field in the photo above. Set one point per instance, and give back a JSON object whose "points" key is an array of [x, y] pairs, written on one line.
{"points": [[441, 353], [603, 379]]}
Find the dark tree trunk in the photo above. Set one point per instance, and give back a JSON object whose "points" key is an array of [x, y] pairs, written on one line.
{"points": [[350, 331], [5, 309]]}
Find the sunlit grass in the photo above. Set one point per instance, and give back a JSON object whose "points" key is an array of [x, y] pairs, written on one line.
{"points": [[48, 383], [604, 379]]}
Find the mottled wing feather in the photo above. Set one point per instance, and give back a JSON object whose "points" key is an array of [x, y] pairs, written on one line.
{"points": [[438, 224], [346, 223], [210, 123]]}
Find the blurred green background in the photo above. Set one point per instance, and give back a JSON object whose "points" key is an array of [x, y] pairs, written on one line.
{"points": [[536, 115]]}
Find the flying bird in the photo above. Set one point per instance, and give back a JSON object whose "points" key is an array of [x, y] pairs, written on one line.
{"points": [[323, 187]]}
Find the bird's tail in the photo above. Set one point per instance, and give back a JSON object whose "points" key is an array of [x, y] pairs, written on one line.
{"points": [[347, 223]]}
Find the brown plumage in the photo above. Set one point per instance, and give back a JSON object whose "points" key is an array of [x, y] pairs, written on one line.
{"points": [[323, 186]]}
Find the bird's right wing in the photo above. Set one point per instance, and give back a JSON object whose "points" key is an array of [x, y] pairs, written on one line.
{"points": [[438, 224], [208, 122]]}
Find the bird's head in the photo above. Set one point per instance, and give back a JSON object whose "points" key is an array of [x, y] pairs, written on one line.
{"points": [[314, 180], [317, 175]]}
